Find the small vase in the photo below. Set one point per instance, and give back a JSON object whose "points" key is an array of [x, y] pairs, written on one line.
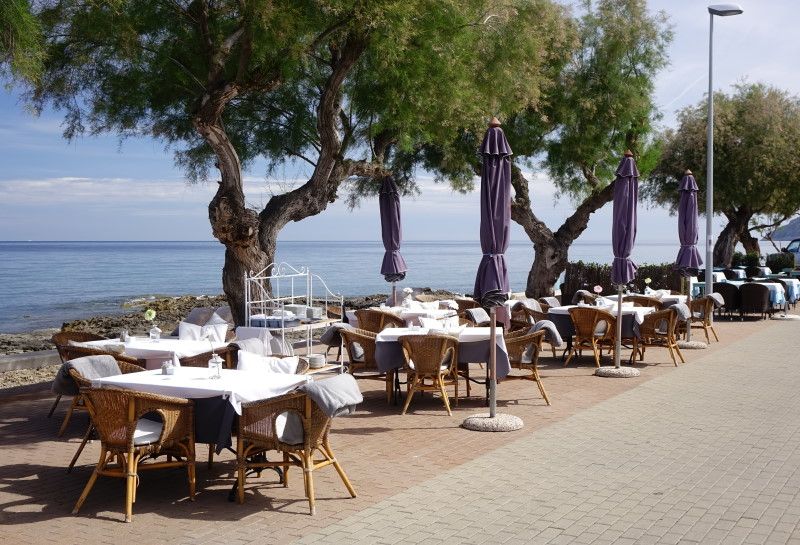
{"points": [[155, 333]]}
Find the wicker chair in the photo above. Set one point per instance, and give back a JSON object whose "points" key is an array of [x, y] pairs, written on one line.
{"points": [[594, 328], [126, 364], [431, 357], [62, 338], [644, 301], [754, 298], [549, 302], [658, 329], [117, 415], [227, 353], [78, 402], [464, 304], [259, 433], [702, 310], [730, 294], [520, 319], [522, 346], [536, 316], [364, 365], [377, 320]]}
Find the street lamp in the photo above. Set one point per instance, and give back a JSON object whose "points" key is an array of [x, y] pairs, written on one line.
{"points": [[722, 10]]}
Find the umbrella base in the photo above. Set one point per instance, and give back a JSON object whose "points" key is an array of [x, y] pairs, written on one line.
{"points": [[616, 372], [501, 422], [692, 345], [785, 317]]}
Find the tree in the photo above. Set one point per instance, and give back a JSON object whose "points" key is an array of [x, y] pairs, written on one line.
{"points": [[21, 48], [598, 103], [756, 164], [336, 85]]}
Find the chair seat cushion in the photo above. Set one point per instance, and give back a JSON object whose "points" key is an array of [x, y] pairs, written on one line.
{"points": [[289, 428], [249, 361], [442, 368], [147, 432]]}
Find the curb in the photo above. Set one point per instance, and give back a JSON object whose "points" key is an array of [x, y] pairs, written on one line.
{"points": [[29, 360]]}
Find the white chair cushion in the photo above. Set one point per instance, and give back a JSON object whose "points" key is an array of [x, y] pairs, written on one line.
{"points": [[188, 331], [147, 431], [289, 428], [269, 364]]}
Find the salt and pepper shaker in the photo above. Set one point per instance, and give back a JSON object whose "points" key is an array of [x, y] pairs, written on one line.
{"points": [[215, 366], [123, 335], [167, 368]]}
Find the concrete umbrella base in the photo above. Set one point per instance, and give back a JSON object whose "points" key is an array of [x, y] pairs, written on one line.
{"points": [[608, 371], [692, 345], [500, 422]]}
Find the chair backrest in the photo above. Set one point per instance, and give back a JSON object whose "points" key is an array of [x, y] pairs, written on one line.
{"points": [[660, 323], [591, 321], [519, 343], [69, 352], [430, 352], [62, 338], [584, 296], [730, 274], [260, 419], [644, 301], [227, 353], [753, 297], [549, 301], [464, 304], [360, 346], [729, 292], [377, 320], [702, 308]]}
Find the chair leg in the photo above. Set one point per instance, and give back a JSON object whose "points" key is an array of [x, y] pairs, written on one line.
{"points": [[285, 469], [678, 350], [711, 327], [86, 436], [596, 355], [538, 380], [53, 408], [411, 383], [456, 381], [210, 455], [67, 416], [130, 485], [308, 470], [241, 469], [672, 354], [705, 330], [101, 464], [327, 447], [389, 385], [444, 395], [570, 355]]}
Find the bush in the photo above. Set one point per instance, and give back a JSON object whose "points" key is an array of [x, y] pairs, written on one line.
{"points": [[585, 276], [752, 261], [780, 261], [738, 259]]}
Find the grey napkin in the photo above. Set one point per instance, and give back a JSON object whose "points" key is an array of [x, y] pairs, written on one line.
{"points": [[682, 309], [719, 301], [331, 336], [91, 367], [478, 315], [552, 301], [551, 332], [579, 295], [336, 396]]}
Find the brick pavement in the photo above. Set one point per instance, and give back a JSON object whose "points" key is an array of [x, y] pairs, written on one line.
{"points": [[553, 480]]}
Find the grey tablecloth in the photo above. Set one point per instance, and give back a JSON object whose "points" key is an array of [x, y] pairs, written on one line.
{"points": [[566, 329], [389, 356]]}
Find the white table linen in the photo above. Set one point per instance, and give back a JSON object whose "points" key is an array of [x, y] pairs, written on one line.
{"points": [[638, 312], [193, 383], [165, 349]]}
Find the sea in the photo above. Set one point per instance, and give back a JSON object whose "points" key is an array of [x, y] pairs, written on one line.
{"points": [[43, 284]]}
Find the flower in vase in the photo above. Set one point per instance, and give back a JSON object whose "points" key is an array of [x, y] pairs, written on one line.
{"points": [[408, 291], [597, 289], [149, 314], [648, 280]]}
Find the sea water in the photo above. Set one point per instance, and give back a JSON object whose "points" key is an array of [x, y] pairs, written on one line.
{"points": [[43, 284]]}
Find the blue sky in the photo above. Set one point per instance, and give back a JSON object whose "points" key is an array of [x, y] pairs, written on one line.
{"points": [[96, 188]]}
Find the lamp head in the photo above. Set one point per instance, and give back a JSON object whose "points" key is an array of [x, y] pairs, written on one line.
{"points": [[724, 10]]}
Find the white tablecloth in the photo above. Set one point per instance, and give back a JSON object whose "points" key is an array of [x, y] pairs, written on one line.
{"points": [[193, 383], [638, 312], [157, 352]]}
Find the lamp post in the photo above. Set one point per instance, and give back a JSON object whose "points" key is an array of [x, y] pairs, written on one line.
{"points": [[722, 10]]}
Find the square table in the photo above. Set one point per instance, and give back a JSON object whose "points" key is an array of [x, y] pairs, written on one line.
{"points": [[631, 317], [156, 352], [217, 401], [777, 295]]}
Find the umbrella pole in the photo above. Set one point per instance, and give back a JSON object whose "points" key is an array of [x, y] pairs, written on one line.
{"points": [[618, 341], [492, 363], [689, 304], [394, 294]]}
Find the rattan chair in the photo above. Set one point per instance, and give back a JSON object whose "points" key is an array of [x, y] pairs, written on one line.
{"points": [[464, 304], [520, 319], [377, 320], [62, 338], [227, 353], [523, 353], [362, 364], [431, 357], [259, 432], [643, 301], [702, 310], [128, 439], [536, 316], [658, 329], [126, 364], [549, 302], [594, 328]]}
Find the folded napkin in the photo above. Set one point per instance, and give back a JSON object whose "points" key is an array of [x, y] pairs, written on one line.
{"points": [[249, 361], [719, 301], [336, 396], [331, 336], [91, 367], [682, 309]]}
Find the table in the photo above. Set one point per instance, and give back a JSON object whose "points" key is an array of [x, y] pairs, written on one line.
{"points": [[777, 295], [446, 318], [667, 300], [792, 287], [156, 352], [473, 347], [216, 400], [631, 317]]}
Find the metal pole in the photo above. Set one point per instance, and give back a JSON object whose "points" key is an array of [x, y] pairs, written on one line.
{"points": [[393, 302], [618, 341], [492, 363], [710, 162]]}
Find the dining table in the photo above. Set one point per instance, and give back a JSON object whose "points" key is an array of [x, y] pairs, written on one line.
{"points": [[631, 317], [217, 400], [777, 294], [155, 352]]}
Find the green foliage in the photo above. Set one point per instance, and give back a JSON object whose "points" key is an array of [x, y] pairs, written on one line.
{"points": [[21, 47], [585, 276], [752, 259], [737, 260], [756, 164], [780, 261]]}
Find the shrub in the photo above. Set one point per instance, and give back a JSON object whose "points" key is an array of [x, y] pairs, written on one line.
{"points": [[780, 261], [751, 261], [585, 276], [737, 260]]}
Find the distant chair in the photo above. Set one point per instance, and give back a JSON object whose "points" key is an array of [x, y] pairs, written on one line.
{"points": [[658, 329], [464, 304], [523, 353], [227, 353], [730, 274], [377, 320], [584, 296], [432, 357], [730, 293], [702, 310], [754, 299], [594, 328], [549, 302], [360, 347], [63, 338], [129, 439], [644, 301]]}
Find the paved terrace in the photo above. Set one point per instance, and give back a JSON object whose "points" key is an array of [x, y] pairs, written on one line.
{"points": [[705, 453]]}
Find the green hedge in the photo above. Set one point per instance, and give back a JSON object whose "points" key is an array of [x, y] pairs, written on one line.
{"points": [[780, 261], [582, 275]]}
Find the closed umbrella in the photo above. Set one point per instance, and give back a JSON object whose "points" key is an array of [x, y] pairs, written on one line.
{"points": [[491, 281], [688, 260], [623, 235], [394, 266]]}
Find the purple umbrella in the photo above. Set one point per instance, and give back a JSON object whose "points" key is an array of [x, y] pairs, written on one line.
{"points": [[491, 282], [623, 234], [394, 266], [688, 260]]}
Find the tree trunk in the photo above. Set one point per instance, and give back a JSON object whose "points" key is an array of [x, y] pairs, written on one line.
{"points": [[725, 246]]}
